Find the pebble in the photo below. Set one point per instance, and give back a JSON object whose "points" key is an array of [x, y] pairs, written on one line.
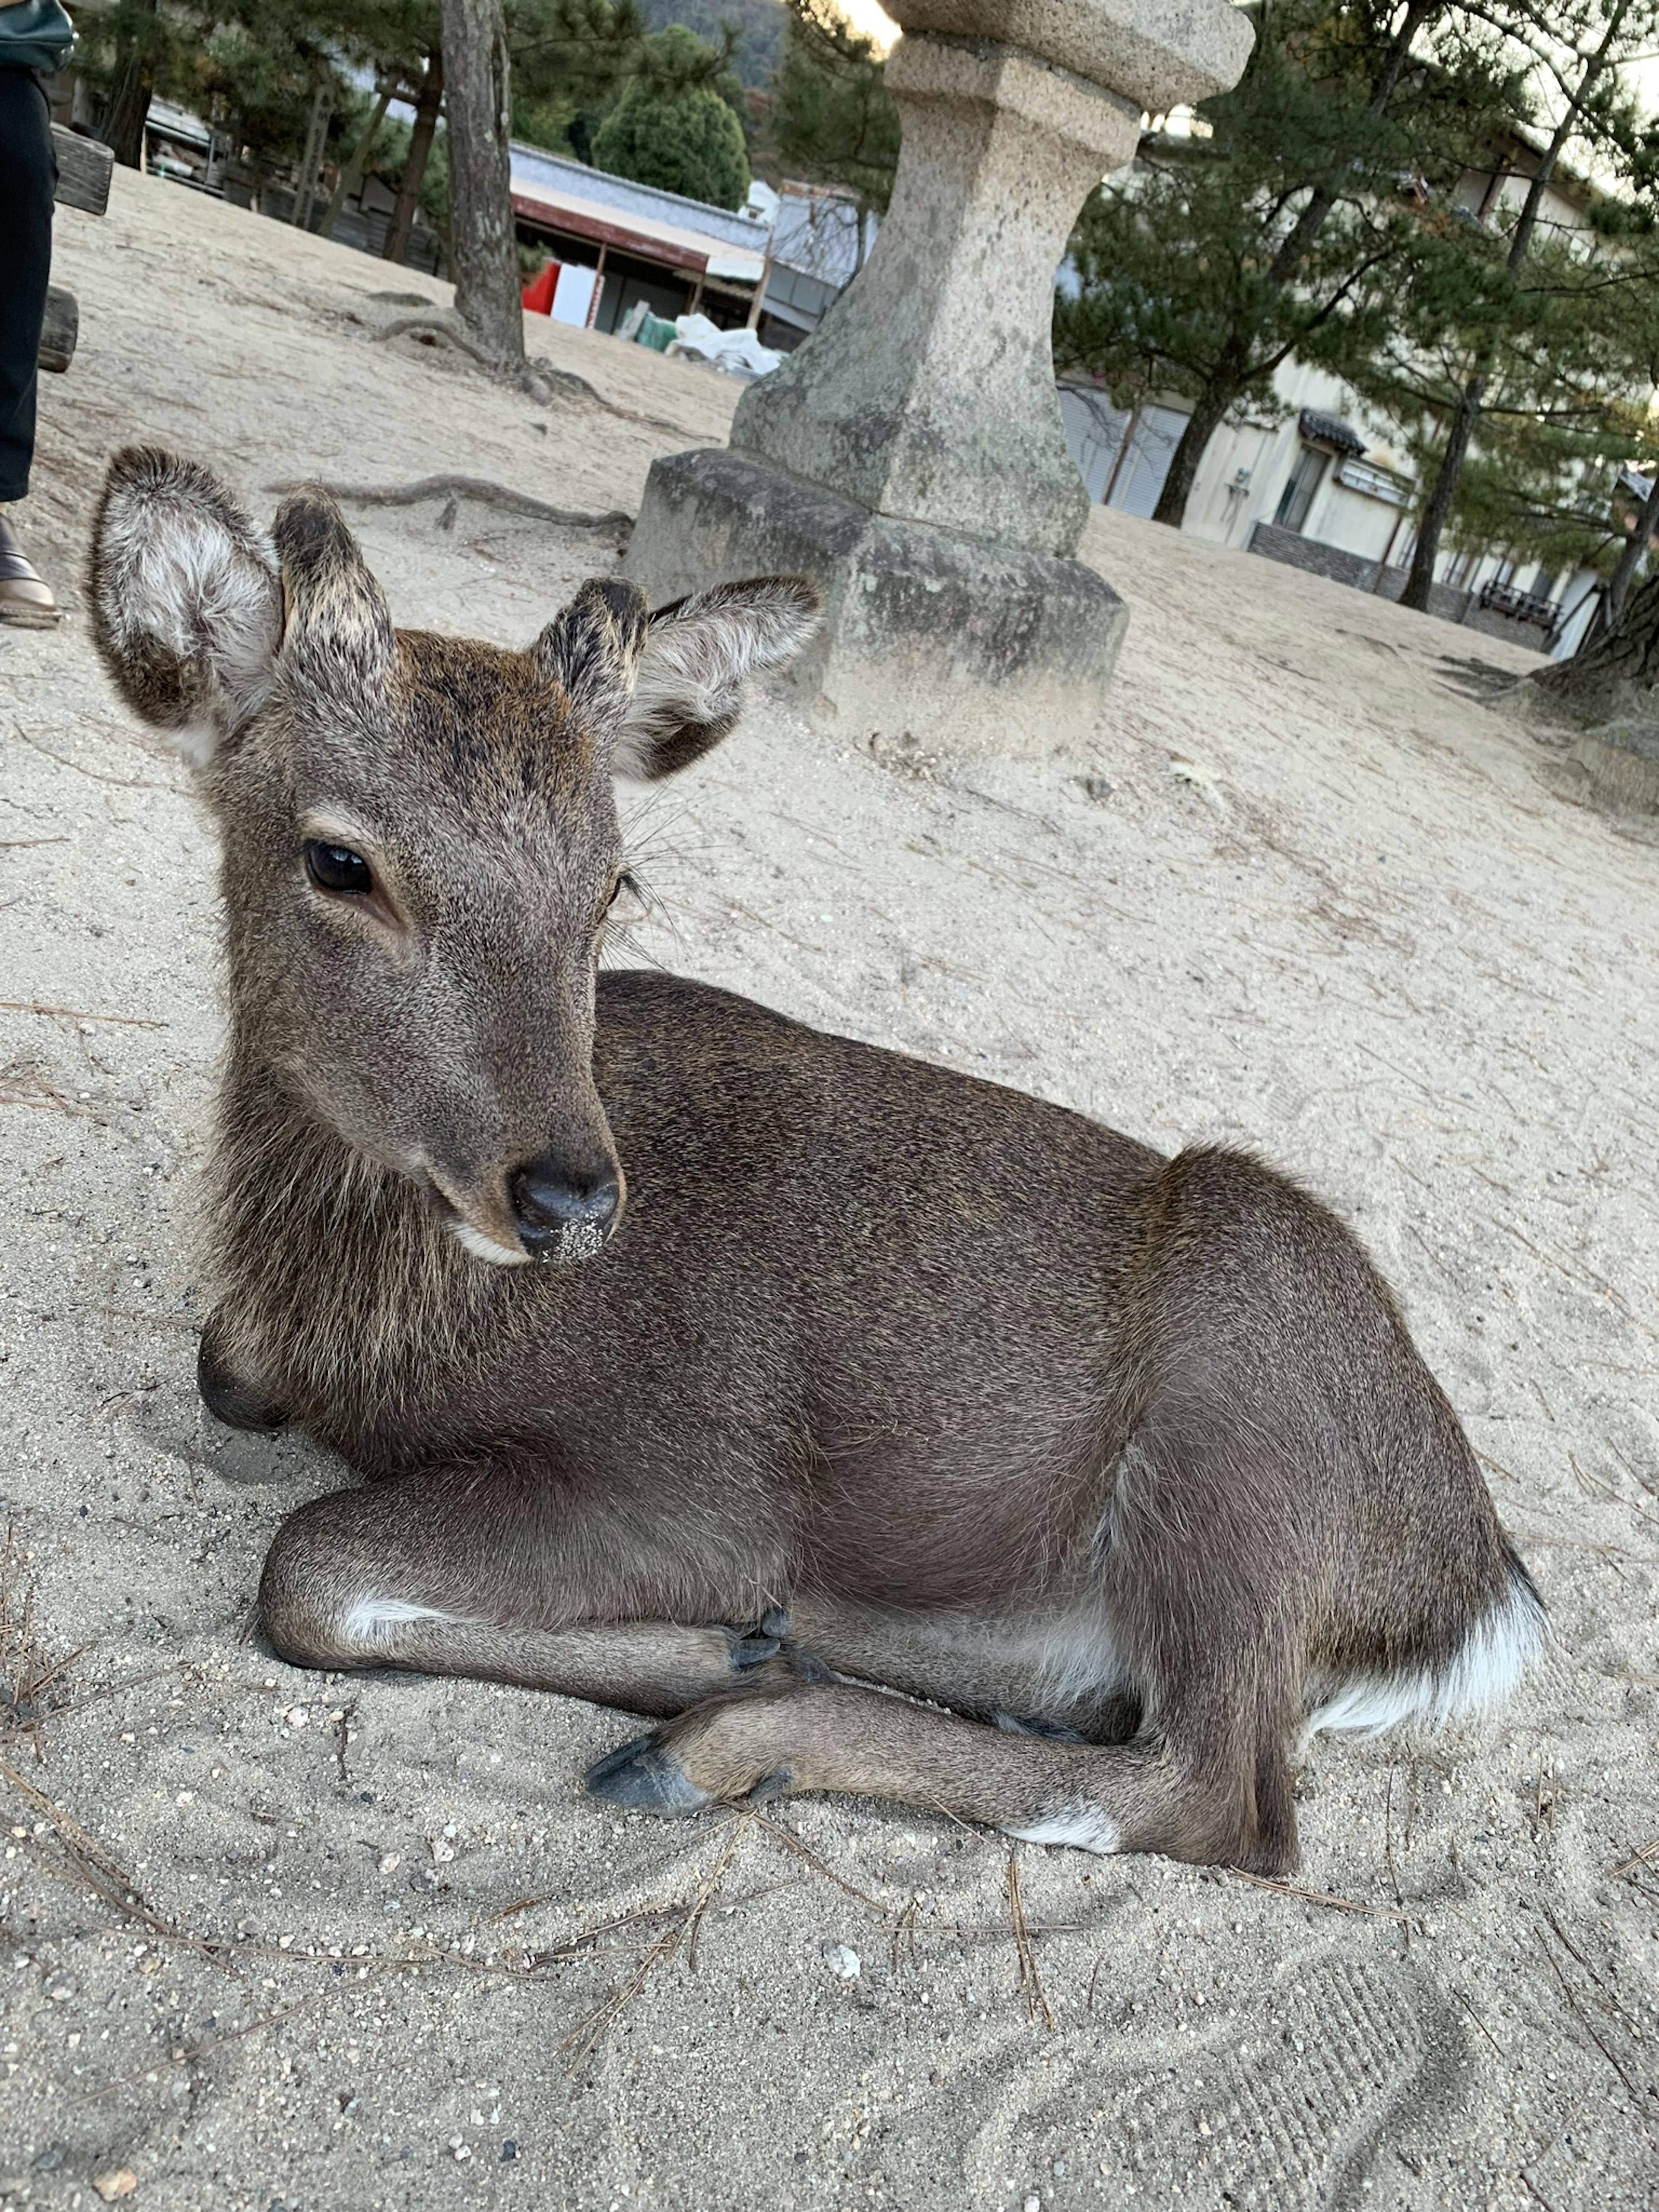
{"points": [[842, 1961]]}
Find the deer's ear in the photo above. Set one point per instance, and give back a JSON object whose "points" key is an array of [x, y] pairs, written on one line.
{"points": [[338, 644], [698, 654], [187, 606], [592, 651]]}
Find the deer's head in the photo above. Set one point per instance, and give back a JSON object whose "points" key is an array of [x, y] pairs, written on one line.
{"points": [[420, 834]]}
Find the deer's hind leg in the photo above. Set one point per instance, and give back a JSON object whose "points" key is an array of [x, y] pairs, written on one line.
{"points": [[1209, 1641], [1167, 1793], [475, 1574], [1049, 1669], [1207, 1777]]}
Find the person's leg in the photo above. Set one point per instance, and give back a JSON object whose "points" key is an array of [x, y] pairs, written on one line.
{"points": [[28, 178]]}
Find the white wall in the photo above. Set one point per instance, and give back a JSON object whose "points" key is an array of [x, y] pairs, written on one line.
{"points": [[1225, 511], [1248, 464]]}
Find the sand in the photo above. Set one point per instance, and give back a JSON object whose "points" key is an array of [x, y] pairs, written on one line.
{"points": [[276, 1939]]}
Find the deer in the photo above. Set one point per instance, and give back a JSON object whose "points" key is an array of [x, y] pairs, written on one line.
{"points": [[866, 1426]]}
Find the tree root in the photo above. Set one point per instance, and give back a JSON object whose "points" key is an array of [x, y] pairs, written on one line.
{"points": [[437, 326], [536, 379], [481, 490]]}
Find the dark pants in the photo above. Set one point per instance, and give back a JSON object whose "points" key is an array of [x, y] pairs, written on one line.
{"points": [[29, 179]]}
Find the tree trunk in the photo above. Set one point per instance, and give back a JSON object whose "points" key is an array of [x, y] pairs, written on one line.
{"points": [[1216, 396], [134, 81], [1416, 594], [352, 174], [1227, 385], [1619, 584], [483, 256], [419, 149], [1420, 581], [311, 165], [1620, 673]]}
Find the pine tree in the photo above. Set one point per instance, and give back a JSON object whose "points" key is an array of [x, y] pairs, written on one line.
{"points": [[1579, 46], [1273, 231], [759, 27], [1567, 359], [483, 255], [677, 124], [1618, 674], [570, 58], [832, 119], [140, 40]]}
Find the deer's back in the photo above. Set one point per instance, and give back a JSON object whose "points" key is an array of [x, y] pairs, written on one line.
{"points": [[896, 1320]]}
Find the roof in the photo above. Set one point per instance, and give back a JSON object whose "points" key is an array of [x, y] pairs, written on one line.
{"points": [[1329, 431], [177, 123], [688, 234], [653, 241], [820, 231], [814, 228]]}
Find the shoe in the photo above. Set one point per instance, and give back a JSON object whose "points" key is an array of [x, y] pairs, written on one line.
{"points": [[25, 597]]}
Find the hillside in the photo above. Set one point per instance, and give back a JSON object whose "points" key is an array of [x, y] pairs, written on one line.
{"points": [[761, 23]]}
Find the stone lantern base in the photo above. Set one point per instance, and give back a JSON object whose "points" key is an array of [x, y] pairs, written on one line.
{"points": [[930, 639], [910, 455]]}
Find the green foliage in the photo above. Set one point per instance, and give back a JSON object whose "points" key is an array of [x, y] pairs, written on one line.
{"points": [[833, 121], [131, 25], [254, 67], [1202, 269], [676, 125], [569, 58], [760, 27], [1568, 348]]}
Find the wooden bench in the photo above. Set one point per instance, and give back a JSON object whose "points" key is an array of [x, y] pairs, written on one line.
{"points": [[83, 171], [83, 175]]}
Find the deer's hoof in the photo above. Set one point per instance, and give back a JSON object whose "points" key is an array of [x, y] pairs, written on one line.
{"points": [[642, 1777], [752, 1648]]}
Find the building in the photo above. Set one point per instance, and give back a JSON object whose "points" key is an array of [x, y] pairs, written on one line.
{"points": [[1327, 487], [679, 256], [776, 263]]}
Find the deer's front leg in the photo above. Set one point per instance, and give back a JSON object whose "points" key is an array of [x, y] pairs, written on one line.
{"points": [[230, 1395], [484, 1574]]}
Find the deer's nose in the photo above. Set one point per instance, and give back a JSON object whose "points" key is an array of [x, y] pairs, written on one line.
{"points": [[563, 1213]]}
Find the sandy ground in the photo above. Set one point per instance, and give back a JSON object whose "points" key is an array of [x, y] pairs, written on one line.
{"points": [[275, 1942]]}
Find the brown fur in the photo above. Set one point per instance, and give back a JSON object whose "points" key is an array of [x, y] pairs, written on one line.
{"points": [[1010, 1413]]}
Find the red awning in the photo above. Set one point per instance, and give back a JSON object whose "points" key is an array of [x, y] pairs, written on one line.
{"points": [[578, 222]]}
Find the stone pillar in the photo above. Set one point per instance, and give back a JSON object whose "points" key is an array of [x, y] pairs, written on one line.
{"points": [[910, 455]]}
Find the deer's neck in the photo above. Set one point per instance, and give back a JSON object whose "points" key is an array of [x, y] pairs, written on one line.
{"points": [[339, 1290]]}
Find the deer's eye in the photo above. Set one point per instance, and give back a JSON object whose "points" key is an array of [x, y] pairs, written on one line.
{"points": [[338, 868]]}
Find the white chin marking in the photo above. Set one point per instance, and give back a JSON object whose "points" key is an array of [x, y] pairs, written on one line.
{"points": [[1498, 1649], [485, 1247], [1084, 1827], [371, 1616]]}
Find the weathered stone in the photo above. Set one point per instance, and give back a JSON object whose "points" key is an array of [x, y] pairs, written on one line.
{"points": [[1623, 761], [1158, 53], [929, 392], [911, 455], [930, 639]]}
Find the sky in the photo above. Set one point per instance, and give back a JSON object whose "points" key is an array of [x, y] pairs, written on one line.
{"points": [[865, 16]]}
